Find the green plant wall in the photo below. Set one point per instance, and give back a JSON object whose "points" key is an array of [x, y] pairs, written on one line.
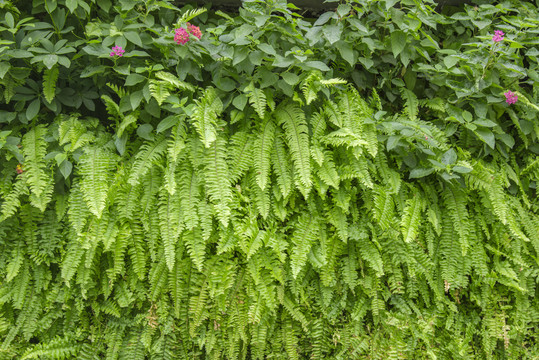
{"points": [[190, 184]]}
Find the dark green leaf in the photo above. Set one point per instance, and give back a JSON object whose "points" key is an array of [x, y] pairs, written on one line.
{"points": [[33, 109], [398, 42]]}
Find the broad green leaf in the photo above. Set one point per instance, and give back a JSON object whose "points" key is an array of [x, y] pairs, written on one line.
{"points": [[398, 42], [33, 109]]}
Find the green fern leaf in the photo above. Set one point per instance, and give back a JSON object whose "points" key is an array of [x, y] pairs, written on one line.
{"points": [[148, 154], [293, 120], [159, 91], [34, 149], [205, 115], [240, 155], [170, 224], [189, 192], [174, 81], [217, 179], [257, 99], [57, 348], [50, 76], [281, 167], [303, 238], [411, 219], [96, 166], [262, 153], [411, 107]]}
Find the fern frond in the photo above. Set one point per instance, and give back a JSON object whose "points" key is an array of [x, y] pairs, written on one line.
{"points": [[95, 167], [57, 348], [50, 76], [34, 149], [205, 114], [411, 218], [303, 239], [170, 224], [383, 209], [174, 81], [455, 203], [196, 247], [159, 90], [189, 194], [147, 156], [190, 14], [262, 152], [411, 107], [281, 167], [257, 99], [217, 179], [293, 120], [240, 155], [327, 171]]}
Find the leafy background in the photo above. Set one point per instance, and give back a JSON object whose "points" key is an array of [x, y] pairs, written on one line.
{"points": [[350, 186]]}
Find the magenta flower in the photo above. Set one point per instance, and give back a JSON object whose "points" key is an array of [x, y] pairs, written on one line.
{"points": [[194, 30], [498, 36], [181, 36], [117, 50], [510, 97]]}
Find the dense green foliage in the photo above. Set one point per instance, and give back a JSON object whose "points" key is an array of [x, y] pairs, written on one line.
{"points": [[348, 187]]}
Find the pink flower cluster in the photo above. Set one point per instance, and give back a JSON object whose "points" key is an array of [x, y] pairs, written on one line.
{"points": [[498, 36], [181, 36], [117, 50], [195, 30], [510, 97]]}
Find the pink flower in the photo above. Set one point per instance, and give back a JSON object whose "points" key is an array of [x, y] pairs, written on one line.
{"points": [[498, 36], [195, 30], [181, 36], [510, 97], [117, 50]]}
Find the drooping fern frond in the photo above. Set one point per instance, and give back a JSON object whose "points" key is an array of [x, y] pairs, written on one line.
{"points": [[205, 114], [411, 107], [257, 99], [34, 149], [170, 224], [57, 348], [217, 179], [281, 167], [96, 166], [50, 76], [240, 155], [149, 154], [411, 218], [297, 137], [262, 152]]}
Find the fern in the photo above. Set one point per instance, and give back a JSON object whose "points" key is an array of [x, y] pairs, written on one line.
{"points": [[191, 14], [57, 348], [174, 81], [159, 91], [240, 155], [257, 99], [170, 224], [262, 152], [50, 76], [34, 148], [410, 223], [95, 169], [149, 154], [217, 180], [204, 116], [296, 132]]}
